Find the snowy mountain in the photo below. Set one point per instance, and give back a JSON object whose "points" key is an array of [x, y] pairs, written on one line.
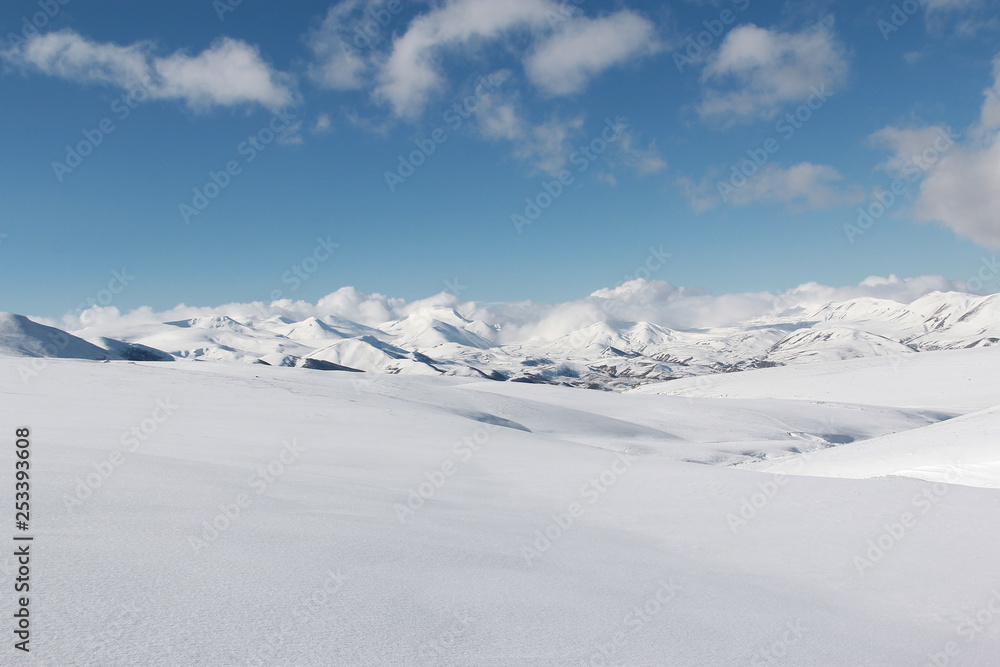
{"points": [[605, 354], [832, 344], [430, 328], [22, 337]]}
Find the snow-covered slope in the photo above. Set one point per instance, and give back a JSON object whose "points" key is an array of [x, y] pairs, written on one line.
{"points": [[832, 344], [371, 355], [959, 380], [964, 450], [20, 336], [233, 514], [219, 338], [964, 384], [311, 330], [429, 328]]}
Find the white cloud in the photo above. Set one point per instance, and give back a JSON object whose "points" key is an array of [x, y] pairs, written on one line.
{"points": [[411, 73], [229, 73], [910, 148], [563, 49], [965, 18], [344, 46], [990, 114], [69, 56], [550, 144], [814, 185], [643, 160], [963, 192], [546, 145], [802, 186], [560, 48], [938, 5], [757, 71], [322, 123], [959, 182], [565, 62]]}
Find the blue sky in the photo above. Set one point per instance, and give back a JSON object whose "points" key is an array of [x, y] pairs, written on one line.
{"points": [[162, 95]]}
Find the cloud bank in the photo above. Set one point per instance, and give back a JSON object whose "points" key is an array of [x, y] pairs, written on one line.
{"points": [[634, 301]]}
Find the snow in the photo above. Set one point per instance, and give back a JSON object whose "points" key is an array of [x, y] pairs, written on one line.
{"points": [[368, 354], [311, 331], [963, 383], [663, 549], [601, 353], [958, 451], [832, 344], [959, 380], [23, 337]]}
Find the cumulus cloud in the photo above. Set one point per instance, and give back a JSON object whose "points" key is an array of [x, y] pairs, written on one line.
{"points": [[637, 300], [563, 49], [411, 73], [555, 47], [959, 180], [229, 73], [546, 145], [757, 71], [345, 45], [564, 62], [67, 55], [800, 186], [907, 145]]}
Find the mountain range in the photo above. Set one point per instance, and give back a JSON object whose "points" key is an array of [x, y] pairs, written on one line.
{"points": [[438, 340]]}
